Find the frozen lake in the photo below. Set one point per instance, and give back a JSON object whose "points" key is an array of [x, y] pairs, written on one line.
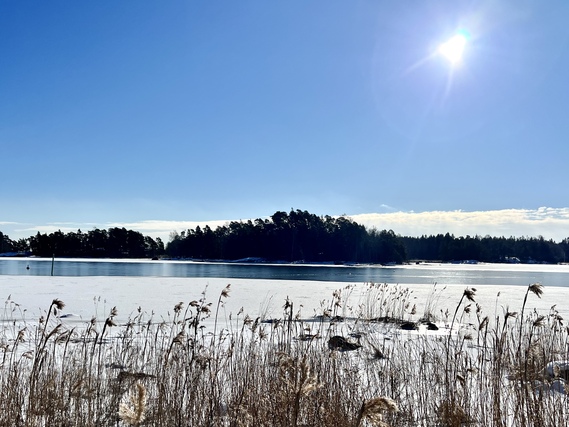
{"points": [[426, 273], [91, 287]]}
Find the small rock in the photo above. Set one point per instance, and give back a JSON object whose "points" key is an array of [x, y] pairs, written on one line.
{"points": [[340, 343], [409, 326], [431, 326]]}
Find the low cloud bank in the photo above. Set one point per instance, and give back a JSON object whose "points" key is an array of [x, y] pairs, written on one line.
{"points": [[551, 223]]}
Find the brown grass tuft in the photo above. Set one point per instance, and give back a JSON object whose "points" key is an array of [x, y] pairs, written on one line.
{"points": [[373, 410], [132, 408]]}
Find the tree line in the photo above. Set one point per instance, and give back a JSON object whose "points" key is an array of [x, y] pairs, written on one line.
{"points": [[112, 243], [291, 237], [487, 249], [294, 236]]}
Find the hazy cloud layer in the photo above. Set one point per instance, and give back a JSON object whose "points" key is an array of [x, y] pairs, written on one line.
{"points": [[551, 223]]}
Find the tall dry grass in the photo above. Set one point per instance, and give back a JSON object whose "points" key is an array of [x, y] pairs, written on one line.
{"points": [[193, 369]]}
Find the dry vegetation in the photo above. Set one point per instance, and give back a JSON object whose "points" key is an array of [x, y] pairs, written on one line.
{"points": [[489, 371]]}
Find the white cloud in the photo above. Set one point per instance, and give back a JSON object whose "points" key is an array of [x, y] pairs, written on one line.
{"points": [[551, 223]]}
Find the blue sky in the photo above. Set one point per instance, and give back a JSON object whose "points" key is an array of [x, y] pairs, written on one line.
{"points": [[183, 112]]}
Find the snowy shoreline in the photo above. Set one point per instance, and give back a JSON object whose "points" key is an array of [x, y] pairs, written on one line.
{"points": [[88, 296]]}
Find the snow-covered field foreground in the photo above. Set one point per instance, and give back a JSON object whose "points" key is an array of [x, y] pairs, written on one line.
{"points": [[86, 297], [280, 353]]}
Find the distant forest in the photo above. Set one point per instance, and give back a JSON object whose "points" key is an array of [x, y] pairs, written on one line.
{"points": [[297, 236]]}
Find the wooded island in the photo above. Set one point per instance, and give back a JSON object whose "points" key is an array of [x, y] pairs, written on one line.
{"points": [[296, 236]]}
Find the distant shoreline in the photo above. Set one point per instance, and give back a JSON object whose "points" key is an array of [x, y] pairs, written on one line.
{"points": [[255, 260]]}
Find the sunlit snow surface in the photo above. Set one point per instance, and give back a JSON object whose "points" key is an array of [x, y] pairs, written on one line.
{"points": [[90, 296]]}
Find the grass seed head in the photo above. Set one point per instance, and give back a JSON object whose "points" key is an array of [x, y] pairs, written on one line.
{"points": [[57, 303], [225, 291], [372, 410], [537, 289], [132, 408], [469, 294], [179, 339], [512, 314], [379, 405], [539, 321], [178, 307]]}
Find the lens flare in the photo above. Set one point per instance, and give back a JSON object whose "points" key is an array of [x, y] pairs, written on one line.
{"points": [[454, 47]]}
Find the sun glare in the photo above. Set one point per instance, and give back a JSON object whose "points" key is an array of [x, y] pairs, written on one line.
{"points": [[453, 48]]}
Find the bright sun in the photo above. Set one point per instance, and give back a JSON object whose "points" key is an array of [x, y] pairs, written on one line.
{"points": [[454, 47]]}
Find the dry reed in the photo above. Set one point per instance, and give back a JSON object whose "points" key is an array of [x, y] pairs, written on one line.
{"points": [[279, 372]]}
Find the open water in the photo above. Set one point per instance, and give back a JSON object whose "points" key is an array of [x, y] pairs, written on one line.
{"points": [[454, 274]]}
